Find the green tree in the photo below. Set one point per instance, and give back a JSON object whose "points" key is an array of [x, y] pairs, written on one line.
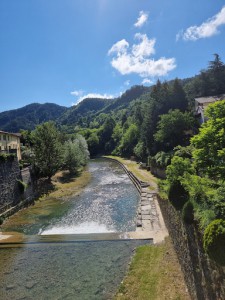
{"points": [[129, 141], [48, 149], [209, 144], [171, 129]]}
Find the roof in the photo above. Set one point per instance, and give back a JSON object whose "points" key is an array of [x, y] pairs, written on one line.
{"points": [[210, 99], [10, 133]]}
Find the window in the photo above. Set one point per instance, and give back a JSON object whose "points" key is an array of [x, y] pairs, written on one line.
{"points": [[4, 137]]}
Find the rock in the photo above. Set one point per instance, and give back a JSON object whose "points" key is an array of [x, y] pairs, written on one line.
{"points": [[10, 287], [30, 284]]}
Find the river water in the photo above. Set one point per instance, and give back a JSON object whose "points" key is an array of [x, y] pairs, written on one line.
{"points": [[76, 270], [107, 204]]}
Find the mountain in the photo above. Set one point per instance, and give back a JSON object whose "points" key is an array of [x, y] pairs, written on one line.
{"points": [[126, 98], [87, 107], [29, 116]]}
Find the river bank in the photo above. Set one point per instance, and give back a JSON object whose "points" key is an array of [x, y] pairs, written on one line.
{"points": [[154, 273], [49, 205]]}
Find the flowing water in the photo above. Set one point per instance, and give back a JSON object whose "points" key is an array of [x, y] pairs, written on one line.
{"points": [[76, 270]]}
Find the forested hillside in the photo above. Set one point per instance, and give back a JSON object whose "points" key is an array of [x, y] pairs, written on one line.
{"points": [[29, 116]]}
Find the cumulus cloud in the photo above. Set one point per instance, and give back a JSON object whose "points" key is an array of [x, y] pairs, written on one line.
{"points": [[77, 93], [136, 59], [142, 19], [93, 95], [147, 81], [205, 30]]}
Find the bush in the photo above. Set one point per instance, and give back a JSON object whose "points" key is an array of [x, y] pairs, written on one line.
{"points": [[214, 241], [21, 186], [178, 196], [188, 212]]}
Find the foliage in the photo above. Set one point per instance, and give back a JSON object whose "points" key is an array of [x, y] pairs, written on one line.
{"points": [[188, 212], [214, 240], [171, 128], [129, 141], [161, 159], [209, 144], [21, 186], [177, 195], [7, 157], [93, 144], [48, 149], [178, 167]]}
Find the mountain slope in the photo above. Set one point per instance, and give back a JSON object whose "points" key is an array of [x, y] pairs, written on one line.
{"points": [[29, 116], [86, 107]]}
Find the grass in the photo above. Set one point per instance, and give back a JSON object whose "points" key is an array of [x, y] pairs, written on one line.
{"points": [[154, 274]]}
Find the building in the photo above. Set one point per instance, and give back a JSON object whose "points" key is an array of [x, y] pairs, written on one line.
{"points": [[202, 102], [10, 143]]}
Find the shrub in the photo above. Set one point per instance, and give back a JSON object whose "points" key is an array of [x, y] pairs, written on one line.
{"points": [[178, 196], [21, 186], [214, 241], [188, 212]]}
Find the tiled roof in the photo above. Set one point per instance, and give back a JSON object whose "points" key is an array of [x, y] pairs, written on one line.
{"points": [[210, 99]]}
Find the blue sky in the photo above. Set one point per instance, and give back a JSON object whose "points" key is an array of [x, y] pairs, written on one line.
{"points": [[62, 50]]}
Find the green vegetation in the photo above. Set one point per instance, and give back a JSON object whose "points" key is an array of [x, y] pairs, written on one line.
{"points": [[153, 275], [47, 149], [214, 240]]}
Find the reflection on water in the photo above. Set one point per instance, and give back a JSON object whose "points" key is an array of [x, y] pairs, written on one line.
{"points": [[82, 270], [108, 204]]}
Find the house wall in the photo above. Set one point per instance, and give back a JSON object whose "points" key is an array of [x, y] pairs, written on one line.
{"points": [[9, 142]]}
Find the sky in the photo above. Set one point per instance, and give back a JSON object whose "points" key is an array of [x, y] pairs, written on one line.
{"points": [[61, 51]]}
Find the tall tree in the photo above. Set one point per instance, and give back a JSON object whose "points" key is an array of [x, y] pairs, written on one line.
{"points": [[48, 149], [217, 74]]}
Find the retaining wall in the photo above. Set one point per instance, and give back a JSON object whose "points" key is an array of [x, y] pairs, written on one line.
{"points": [[9, 187], [204, 278]]}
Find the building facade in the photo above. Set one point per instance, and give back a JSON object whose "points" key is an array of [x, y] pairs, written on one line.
{"points": [[201, 104], [10, 143]]}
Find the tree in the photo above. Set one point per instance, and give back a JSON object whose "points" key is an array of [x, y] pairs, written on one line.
{"points": [[47, 149], [171, 129], [129, 140], [216, 72], [209, 144]]}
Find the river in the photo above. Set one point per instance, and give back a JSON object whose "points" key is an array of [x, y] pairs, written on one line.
{"points": [[78, 269]]}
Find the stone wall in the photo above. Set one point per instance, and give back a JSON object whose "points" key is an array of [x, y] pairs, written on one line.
{"points": [[204, 278], [9, 187]]}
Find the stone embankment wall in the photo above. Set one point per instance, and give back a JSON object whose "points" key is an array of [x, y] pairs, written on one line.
{"points": [[12, 198], [9, 187], [204, 278]]}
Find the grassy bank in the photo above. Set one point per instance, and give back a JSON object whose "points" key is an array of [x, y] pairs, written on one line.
{"points": [[154, 274]]}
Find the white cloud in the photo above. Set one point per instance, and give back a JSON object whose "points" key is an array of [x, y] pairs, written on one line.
{"points": [[93, 95], [136, 59], [205, 30], [127, 82], [119, 47], [77, 93], [143, 17], [146, 81]]}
